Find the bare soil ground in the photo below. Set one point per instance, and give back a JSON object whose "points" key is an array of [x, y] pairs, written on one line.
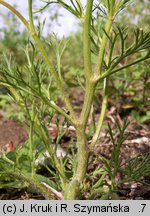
{"points": [[11, 133]]}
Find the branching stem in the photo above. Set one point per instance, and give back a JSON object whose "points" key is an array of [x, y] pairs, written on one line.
{"points": [[82, 145]]}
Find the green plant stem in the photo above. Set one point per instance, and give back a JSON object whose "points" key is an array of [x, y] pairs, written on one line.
{"points": [[87, 39], [82, 156], [90, 86], [52, 70], [5, 158], [33, 183], [11, 8], [130, 64], [59, 67], [103, 44], [110, 71], [98, 73], [118, 4], [56, 162], [57, 108], [73, 188], [31, 149], [100, 192], [99, 182], [102, 114], [88, 99], [25, 177]]}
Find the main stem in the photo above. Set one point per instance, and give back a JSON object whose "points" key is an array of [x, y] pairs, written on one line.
{"points": [[73, 188]]}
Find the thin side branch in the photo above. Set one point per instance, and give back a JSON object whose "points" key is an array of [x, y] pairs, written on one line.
{"points": [[103, 44], [16, 12], [52, 70], [102, 114]]}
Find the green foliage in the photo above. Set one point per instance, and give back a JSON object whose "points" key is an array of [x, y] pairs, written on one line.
{"points": [[142, 118], [75, 7], [36, 86], [19, 170], [134, 169], [111, 168], [137, 168]]}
